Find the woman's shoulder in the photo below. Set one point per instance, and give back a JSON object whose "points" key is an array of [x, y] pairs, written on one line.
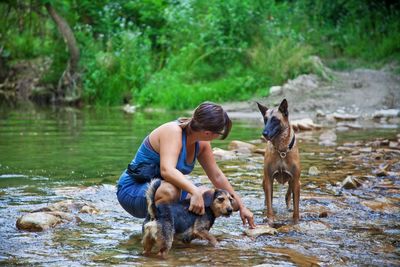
{"points": [[169, 132], [171, 128]]}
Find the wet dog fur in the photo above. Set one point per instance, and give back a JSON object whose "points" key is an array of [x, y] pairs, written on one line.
{"points": [[281, 158], [167, 222]]}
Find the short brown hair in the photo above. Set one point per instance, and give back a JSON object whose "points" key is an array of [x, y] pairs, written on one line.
{"points": [[208, 116]]}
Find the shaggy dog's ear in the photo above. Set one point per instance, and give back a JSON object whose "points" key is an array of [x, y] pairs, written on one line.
{"points": [[208, 198]]}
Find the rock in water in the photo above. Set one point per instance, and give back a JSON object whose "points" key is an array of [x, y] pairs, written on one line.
{"points": [[54, 214], [221, 154], [241, 147], [260, 230], [40, 221], [71, 206], [313, 171], [352, 182]]}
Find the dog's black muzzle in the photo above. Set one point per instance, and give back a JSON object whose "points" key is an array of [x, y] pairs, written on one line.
{"points": [[272, 128], [228, 212]]}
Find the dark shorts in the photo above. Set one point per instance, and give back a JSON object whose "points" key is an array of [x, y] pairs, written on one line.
{"points": [[132, 195]]}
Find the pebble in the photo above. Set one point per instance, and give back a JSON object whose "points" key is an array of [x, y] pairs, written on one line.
{"points": [[351, 182], [313, 171], [344, 149]]}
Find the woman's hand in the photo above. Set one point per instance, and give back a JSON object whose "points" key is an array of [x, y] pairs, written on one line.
{"points": [[197, 203], [247, 215]]}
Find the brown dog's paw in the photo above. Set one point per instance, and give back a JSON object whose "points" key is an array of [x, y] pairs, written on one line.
{"points": [[146, 253], [296, 220], [162, 255], [269, 220], [214, 243]]}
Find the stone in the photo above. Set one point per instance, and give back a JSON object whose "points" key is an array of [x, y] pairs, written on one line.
{"points": [[344, 149], [71, 207], [355, 144], [380, 172], [313, 171], [394, 145], [54, 214], [328, 138], [382, 205], [357, 84], [313, 226], [365, 150], [40, 221], [304, 125], [351, 182], [275, 90], [305, 227], [221, 154], [260, 230], [345, 117], [129, 109], [386, 113], [242, 147], [350, 125], [320, 113], [323, 214]]}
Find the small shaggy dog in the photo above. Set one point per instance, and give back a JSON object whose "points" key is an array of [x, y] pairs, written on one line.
{"points": [[167, 222]]}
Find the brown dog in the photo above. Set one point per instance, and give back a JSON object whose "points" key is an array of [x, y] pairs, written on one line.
{"points": [[281, 159]]}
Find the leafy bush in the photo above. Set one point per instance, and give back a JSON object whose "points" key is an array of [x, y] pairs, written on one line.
{"points": [[119, 72], [176, 54]]}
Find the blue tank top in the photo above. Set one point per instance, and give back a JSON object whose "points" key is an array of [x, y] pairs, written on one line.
{"points": [[147, 154]]}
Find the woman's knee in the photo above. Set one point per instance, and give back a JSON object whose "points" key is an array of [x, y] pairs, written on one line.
{"points": [[167, 193]]}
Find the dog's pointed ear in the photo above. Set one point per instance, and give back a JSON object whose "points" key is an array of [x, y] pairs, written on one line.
{"points": [[208, 198], [283, 107], [263, 109]]}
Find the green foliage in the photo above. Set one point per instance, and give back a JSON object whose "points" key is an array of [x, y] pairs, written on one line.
{"points": [[176, 54], [118, 72]]}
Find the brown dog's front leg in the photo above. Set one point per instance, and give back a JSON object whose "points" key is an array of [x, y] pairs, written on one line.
{"points": [[289, 195], [296, 201], [268, 192], [148, 244], [204, 234]]}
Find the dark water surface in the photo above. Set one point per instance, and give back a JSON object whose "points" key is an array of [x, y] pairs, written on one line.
{"points": [[52, 155]]}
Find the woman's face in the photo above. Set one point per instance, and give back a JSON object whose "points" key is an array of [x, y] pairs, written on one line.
{"points": [[209, 135]]}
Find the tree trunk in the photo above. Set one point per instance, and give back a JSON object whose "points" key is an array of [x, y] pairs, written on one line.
{"points": [[68, 88]]}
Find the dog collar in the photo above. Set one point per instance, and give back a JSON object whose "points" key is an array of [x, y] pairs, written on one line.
{"points": [[283, 154], [292, 143]]}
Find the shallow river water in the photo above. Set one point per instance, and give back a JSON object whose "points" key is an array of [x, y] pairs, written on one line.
{"points": [[48, 156]]}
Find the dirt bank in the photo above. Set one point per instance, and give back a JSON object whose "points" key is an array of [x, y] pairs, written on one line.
{"points": [[359, 92]]}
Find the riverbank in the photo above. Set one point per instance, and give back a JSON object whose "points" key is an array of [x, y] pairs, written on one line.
{"points": [[359, 92]]}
